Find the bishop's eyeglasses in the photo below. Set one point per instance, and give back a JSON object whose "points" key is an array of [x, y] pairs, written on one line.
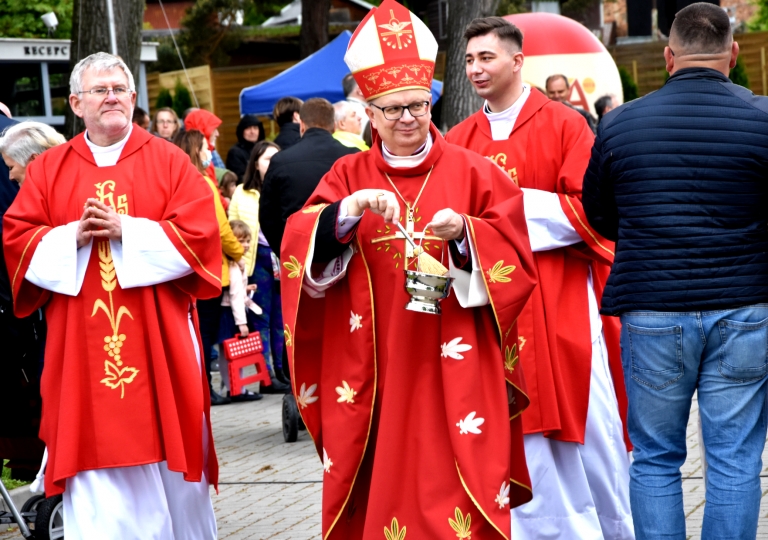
{"points": [[395, 112]]}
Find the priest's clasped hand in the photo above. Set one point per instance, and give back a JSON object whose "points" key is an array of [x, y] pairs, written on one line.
{"points": [[447, 224], [98, 220], [383, 203]]}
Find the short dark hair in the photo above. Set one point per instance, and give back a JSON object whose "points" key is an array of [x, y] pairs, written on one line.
{"points": [[284, 109], [601, 104], [555, 77], [348, 84], [318, 113], [702, 28], [502, 28], [139, 115]]}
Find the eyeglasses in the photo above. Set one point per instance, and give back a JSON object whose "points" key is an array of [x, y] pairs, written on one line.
{"points": [[119, 91], [395, 112]]}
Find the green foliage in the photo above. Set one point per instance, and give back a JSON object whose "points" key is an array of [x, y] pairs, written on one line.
{"points": [[182, 99], [628, 85], [208, 34], [738, 74], [164, 99], [511, 7], [759, 23], [21, 19], [258, 11], [8, 482]]}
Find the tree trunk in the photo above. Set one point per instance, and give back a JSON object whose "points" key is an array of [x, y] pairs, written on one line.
{"points": [[314, 26], [90, 34], [459, 98]]}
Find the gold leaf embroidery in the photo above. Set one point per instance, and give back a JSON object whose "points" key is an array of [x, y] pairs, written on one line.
{"points": [[347, 394], [522, 342], [306, 395], [394, 532], [293, 267], [287, 334], [113, 343], [499, 273], [115, 376], [511, 358], [461, 525], [314, 209]]}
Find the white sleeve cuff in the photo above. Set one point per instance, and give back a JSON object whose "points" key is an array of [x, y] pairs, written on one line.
{"points": [[146, 256], [469, 287], [345, 222], [57, 264], [548, 226]]}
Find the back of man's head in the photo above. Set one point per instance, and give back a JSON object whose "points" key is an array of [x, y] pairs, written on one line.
{"points": [[505, 31], [701, 28], [284, 109], [317, 113], [348, 84]]}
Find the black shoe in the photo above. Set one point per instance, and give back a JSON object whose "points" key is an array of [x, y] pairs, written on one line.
{"points": [[276, 387], [248, 396], [216, 399]]}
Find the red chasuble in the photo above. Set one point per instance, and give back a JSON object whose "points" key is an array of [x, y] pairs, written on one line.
{"points": [[549, 150], [415, 416], [121, 384]]}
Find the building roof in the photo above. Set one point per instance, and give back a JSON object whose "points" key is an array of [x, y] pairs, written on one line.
{"points": [[291, 14]]}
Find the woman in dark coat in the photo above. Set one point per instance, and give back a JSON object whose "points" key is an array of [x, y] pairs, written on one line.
{"points": [[250, 130]]}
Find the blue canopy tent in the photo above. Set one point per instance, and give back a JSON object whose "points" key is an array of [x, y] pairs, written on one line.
{"points": [[318, 75]]}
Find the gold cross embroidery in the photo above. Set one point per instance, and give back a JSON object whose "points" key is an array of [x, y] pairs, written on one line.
{"points": [[397, 29], [409, 227]]}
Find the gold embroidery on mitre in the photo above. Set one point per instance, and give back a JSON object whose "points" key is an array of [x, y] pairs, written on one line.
{"points": [[461, 524], [117, 375], [398, 30], [105, 192], [394, 532]]}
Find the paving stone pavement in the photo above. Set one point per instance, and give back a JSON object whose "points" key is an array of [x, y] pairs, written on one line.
{"points": [[272, 490]]}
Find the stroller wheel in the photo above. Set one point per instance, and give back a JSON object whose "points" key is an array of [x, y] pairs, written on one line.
{"points": [[49, 524], [31, 504], [290, 419]]}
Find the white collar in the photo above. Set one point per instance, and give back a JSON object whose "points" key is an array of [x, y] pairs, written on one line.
{"points": [[503, 122], [107, 156], [407, 162]]}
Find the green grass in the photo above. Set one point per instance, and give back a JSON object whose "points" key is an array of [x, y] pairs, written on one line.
{"points": [[8, 482]]}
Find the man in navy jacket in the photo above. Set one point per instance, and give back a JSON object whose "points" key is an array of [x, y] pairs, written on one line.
{"points": [[678, 179]]}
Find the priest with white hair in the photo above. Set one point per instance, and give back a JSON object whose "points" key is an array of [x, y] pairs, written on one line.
{"points": [[114, 234], [417, 416]]}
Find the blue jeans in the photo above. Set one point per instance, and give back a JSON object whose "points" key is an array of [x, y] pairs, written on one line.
{"points": [[723, 355]]}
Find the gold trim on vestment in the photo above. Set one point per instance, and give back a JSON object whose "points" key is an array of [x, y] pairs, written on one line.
{"points": [[589, 231], [23, 253], [375, 383], [477, 504], [192, 252], [528, 488]]}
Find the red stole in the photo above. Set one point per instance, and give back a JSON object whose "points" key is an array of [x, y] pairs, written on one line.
{"points": [[549, 150]]}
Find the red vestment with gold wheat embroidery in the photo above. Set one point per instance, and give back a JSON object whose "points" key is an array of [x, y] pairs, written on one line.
{"points": [[549, 149], [121, 384], [415, 416]]}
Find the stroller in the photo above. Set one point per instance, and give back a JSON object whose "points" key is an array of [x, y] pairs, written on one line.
{"points": [[292, 422], [46, 515]]}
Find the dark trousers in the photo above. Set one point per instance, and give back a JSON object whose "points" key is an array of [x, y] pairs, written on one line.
{"points": [[209, 313]]}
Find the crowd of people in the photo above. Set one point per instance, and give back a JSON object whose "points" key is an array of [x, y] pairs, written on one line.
{"points": [[602, 270]]}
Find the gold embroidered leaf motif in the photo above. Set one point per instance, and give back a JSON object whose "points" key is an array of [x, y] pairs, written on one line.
{"points": [[315, 208], [461, 525], [347, 394], [511, 358], [117, 377], [107, 265], [394, 532], [306, 397], [293, 267], [287, 334], [499, 273]]}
